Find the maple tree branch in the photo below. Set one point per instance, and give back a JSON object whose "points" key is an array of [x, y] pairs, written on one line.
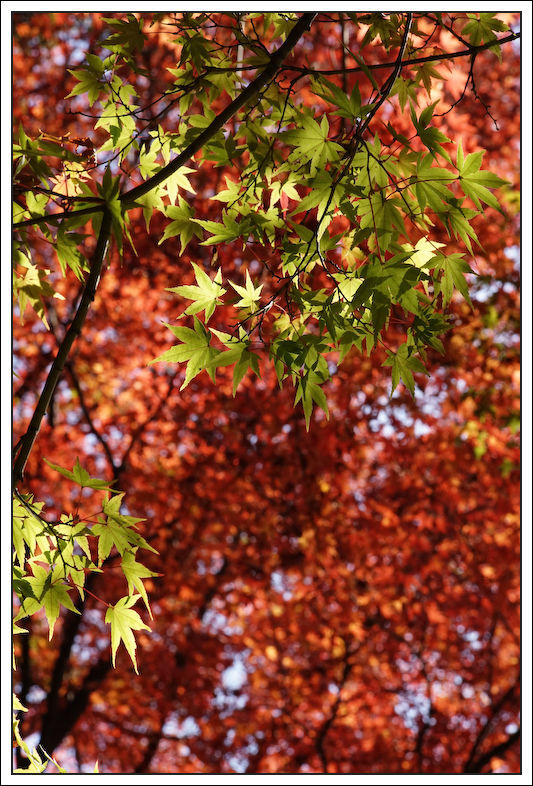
{"points": [[384, 93], [472, 49], [359, 130], [276, 60], [26, 443], [387, 87], [449, 27], [87, 211]]}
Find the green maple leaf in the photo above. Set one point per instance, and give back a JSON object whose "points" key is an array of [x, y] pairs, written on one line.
{"points": [[181, 225], [481, 30], [31, 287], [80, 476], [88, 82], [206, 295], [453, 268], [49, 592], [123, 620], [119, 125], [347, 106], [128, 37], [423, 252], [151, 203], [178, 180], [308, 390], [221, 233], [147, 162], [250, 295], [311, 142], [28, 529], [475, 182], [134, 573], [403, 364], [324, 197], [68, 254], [194, 349], [17, 705], [238, 352], [118, 530], [457, 220], [230, 194]]}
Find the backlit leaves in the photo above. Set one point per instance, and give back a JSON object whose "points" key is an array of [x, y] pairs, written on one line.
{"points": [[31, 286], [475, 182], [50, 559], [135, 573], [453, 269], [403, 363], [238, 351], [80, 476], [311, 143], [206, 294], [48, 591], [195, 350], [181, 225], [124, 620], [482, 28], [250, 294], [88, 82]]}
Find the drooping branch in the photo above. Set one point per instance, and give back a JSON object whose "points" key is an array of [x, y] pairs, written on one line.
{"points": [[25, 445], [276, 64], [128, 200]]}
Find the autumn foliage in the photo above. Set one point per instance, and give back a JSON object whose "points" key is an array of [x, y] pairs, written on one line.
{"points": [[338, 599]]}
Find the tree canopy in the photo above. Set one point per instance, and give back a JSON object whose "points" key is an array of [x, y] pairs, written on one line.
{"points": [[266, 423]]}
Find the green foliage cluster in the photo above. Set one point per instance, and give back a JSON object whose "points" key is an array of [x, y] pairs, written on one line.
{"points": [[52, 561]]}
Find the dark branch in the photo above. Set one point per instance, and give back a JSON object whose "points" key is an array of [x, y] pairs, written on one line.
{"points": [[58, 365], [87, 211]]}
